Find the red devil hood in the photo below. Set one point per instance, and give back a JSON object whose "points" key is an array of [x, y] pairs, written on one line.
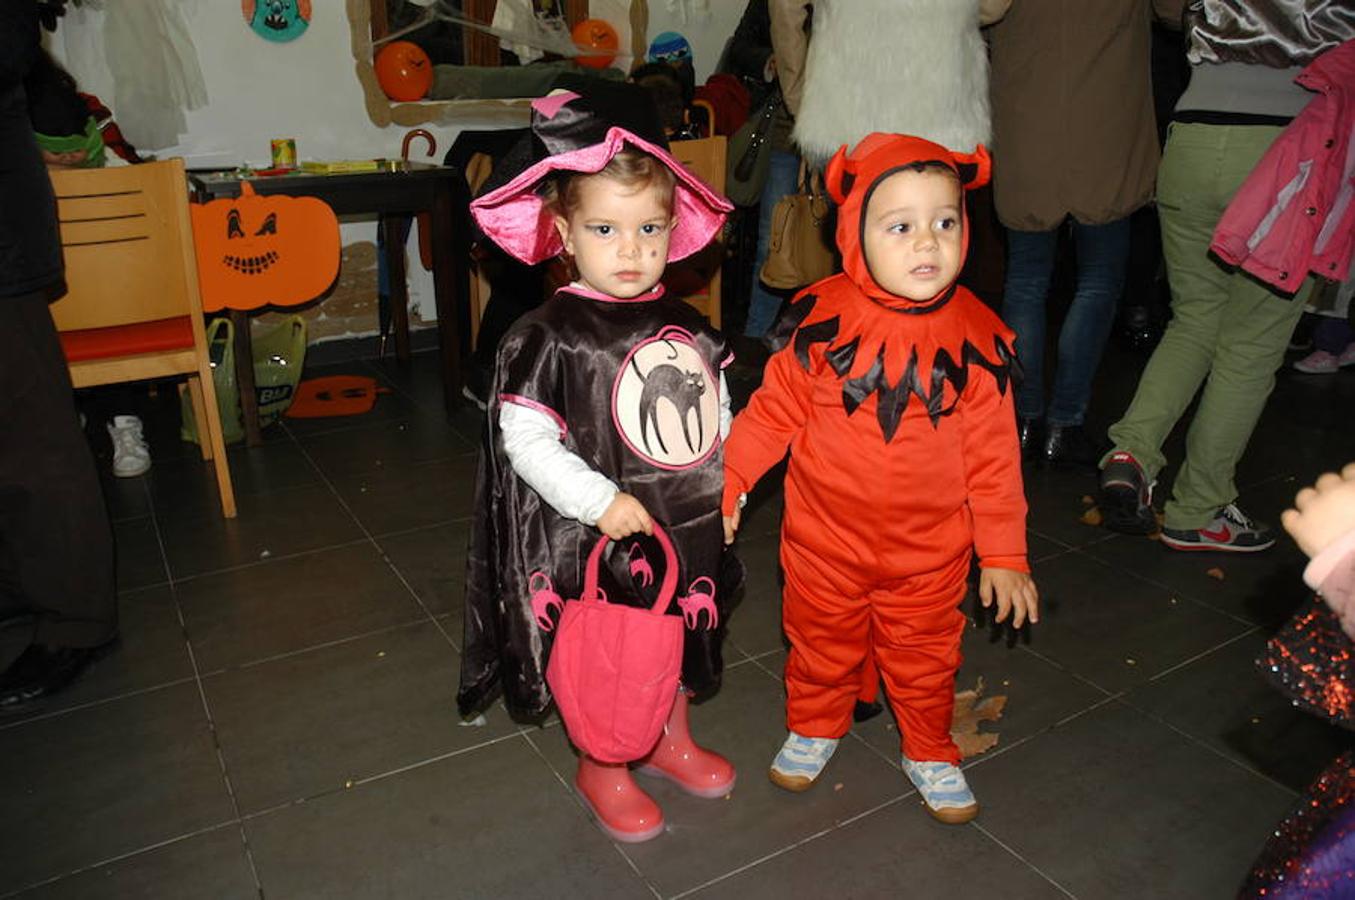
{"points": [[852, 178]]}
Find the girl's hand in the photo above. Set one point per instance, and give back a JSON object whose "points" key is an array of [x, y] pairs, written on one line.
{"points": [[732, 526], [1015, 593], [625, 516], [1323, 512]]}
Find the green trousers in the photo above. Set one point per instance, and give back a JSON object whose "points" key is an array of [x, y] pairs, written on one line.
{"points": [[1228, 331]]}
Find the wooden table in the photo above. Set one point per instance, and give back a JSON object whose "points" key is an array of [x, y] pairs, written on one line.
{"points": [[398, 190]]}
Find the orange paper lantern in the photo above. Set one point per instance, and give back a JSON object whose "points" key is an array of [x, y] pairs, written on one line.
{"points": [[258, 251], [404, 71], [596, 35]]}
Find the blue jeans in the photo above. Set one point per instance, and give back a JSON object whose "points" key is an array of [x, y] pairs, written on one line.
{"points": [[1102, 253], [763, 303]]}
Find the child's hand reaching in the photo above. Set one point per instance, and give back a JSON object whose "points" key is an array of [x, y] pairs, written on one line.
{"points": [[732, 526], [625, 516], [1323, 512], [1015, 593]]}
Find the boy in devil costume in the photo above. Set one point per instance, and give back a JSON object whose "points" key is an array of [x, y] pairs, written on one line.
{"points": [[891, 387], [608, 409]]}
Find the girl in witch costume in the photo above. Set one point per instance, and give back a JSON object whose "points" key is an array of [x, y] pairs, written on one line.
{"points": [[607, 413], [891, 387]]}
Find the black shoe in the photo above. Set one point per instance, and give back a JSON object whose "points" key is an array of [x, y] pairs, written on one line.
{"points": [[1067, 446], [1126, 496], [864, 712], [40, 671], [1030, 432]]}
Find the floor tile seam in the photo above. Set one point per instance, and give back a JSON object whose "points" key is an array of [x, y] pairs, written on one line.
{"points": [[112, 860], [125, 593], [90, 704], [414, 595], [338, 497], [351, 784], [1173, 592], [578, 802], [213, 508], [415, 529], [1247, 632], [1200, 742], [271, 558], [202, 696], [1066, 669], [313, 648], [353, 477], [1027, 863], [781, 851], [1048, 537], [432, 406]]}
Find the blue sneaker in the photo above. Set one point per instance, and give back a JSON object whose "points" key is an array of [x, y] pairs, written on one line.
{"points": [[943, 789], [801, 761]]}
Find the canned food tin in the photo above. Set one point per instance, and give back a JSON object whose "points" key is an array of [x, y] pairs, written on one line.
{"points": [[284, 153]]}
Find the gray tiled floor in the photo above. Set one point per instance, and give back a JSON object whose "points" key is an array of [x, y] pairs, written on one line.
{"points": [[278, 718]]}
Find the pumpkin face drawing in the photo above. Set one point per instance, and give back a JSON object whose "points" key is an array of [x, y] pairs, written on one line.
{"points": [[258, 251]]}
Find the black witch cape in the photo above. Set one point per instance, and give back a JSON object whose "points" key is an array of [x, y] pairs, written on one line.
{"points": [[633, 386]]}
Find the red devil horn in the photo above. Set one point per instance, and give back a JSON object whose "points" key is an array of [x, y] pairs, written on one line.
{"points": [[837, 178], [974, 168]]}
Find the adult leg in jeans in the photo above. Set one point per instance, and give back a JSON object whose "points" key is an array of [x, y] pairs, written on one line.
{"points": [[1030, 266], [1102, 254], [764, 303]]}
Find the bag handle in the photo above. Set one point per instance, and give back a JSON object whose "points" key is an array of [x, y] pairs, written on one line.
{"points": [[667, 590]]}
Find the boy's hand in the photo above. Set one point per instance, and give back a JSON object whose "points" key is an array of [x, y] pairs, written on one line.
{"points": [[1323, 512], [625, 516], [1015, 593], [732, 526]]}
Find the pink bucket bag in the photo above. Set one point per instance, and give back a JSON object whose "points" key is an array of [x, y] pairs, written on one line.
{"points": [[614, 669]]}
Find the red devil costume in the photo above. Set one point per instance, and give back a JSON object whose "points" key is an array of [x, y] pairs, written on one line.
{"points": [[903, 460]]}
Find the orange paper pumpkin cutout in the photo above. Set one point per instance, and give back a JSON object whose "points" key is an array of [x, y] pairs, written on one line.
{"points": [[404, 71], [258, 251], [596, 35], [334, 395]]}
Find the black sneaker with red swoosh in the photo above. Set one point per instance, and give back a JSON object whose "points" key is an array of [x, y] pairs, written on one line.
{"points": [[1230, 532]]}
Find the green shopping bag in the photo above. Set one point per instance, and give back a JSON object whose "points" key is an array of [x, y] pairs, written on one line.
{"points": [[278, 358]]}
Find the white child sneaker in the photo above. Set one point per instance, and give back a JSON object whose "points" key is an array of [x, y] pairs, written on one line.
{"points": [[131, 456], [944, 790], [801, 761]]}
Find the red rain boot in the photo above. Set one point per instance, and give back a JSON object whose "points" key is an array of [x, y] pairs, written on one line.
{"points": [[677, 757], [621, 808]]}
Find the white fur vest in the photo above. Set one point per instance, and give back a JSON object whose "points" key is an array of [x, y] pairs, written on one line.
{"points": [[914, 67]]}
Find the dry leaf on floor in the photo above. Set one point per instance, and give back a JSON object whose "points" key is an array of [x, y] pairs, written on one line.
{"points": [[1215, 573], [1088, 500], [970, 710], [1092, 516]]}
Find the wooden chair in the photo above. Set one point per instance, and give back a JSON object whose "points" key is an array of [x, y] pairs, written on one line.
{"points": [[133, 310], [705, 158]]}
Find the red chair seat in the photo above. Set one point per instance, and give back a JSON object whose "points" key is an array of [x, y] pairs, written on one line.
{"points": [[128, 340]]}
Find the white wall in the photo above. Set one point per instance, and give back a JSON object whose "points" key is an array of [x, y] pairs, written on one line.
{"points": [[307, 89]]}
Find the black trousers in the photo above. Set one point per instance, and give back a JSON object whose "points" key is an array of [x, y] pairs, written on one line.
{"points": [[56, 544]]}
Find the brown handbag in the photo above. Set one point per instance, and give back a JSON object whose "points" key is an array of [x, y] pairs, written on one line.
{"points": [[800, 249]]}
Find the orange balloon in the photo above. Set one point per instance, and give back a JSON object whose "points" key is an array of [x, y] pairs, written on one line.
{"points": [[596, 34], [404, 71]]}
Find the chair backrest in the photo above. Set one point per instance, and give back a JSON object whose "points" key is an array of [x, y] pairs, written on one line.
{"points": [[128, 245], [704, 158]]}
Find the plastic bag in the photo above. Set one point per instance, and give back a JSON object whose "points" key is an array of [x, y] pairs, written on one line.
{"points": [[278, 358]]}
